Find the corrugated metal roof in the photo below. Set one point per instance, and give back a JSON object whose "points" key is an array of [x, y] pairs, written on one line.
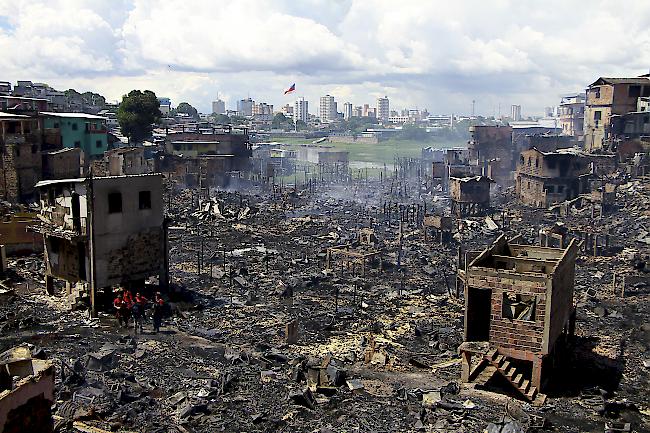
{"points": [[72, 115], [55, 181], [8, 116], [614, 80]]}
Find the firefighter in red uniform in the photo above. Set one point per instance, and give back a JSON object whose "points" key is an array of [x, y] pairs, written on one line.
{"points": [[138, 311], [118, 303]]}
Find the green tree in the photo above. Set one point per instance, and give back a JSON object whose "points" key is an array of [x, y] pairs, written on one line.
{"points": [[221, 119], [280, 121], [137, 114], [239, 120], [186, 108]]}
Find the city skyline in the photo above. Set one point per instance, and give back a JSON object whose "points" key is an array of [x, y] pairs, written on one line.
{"points": [[437, 56]]}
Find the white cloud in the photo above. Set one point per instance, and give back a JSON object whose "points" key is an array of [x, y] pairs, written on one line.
{"points": [[439, 55]]}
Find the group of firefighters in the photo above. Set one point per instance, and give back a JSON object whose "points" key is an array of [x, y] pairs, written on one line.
{"points": [[127, 307]]}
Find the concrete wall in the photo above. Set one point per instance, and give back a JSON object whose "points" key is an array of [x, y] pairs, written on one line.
{"points": [[16, 238], [62, 165], [129, 244], [127, 161]]}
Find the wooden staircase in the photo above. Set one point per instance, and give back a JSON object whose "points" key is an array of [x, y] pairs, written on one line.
{"points": [[514, 376]]}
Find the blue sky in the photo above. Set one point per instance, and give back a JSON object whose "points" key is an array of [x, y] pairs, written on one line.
{"points": [[438, 55]]}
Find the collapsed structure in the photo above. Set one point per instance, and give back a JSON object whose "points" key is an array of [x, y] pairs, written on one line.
{"points": [[470, 195], [518, 303]]}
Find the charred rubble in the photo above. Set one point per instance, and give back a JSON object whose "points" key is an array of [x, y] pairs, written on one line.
{"points": [[394, 302]]}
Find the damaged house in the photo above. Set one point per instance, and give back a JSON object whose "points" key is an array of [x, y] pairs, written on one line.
{"points": [[547, 178], [206, 158], [20, 156], [607, 97], [491, 148], [518, 303], [470, 195], [119, 237]]}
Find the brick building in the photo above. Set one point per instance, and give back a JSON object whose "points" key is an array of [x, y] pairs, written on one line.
{"points": [[607, 97], [546, 178], [518, 304], [20, 156]]}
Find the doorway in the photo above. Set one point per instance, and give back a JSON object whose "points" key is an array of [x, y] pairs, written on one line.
{"points": [[477, 315]]}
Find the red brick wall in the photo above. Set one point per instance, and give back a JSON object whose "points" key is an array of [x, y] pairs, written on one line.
{"points": [[509, 333]]}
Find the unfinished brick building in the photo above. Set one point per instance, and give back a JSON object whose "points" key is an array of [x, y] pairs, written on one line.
{"points": [[518, 302], [470, 195], [547, 178]]}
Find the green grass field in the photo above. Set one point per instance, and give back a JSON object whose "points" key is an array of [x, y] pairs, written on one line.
{"points": [[382, 152]]}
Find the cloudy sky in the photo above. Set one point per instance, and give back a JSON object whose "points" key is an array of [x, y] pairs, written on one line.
{"points": [[439, 55]]}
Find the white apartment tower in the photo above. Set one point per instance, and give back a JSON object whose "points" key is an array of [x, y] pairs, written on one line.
{"points": [[301, 110], [383, 109], [347, 111], [515, 112], [218, 106], [245, 107], [327, 109]]}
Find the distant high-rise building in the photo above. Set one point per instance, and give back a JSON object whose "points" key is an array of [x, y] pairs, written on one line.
{"points": [[301, 110], [357, 111], [347, 111], [165, 105], [572, 115], [327, 109], [245, 107], [218, 106], [515, 112], [287, 110], [550, 111], [383, 109], [262, 109]]}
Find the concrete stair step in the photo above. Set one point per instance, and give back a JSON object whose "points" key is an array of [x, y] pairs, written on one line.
{"points": [[532, 393], [485, 375], [510, 373]]}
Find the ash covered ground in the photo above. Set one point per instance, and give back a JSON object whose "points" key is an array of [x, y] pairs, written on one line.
{"points": [[374, 352]]}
